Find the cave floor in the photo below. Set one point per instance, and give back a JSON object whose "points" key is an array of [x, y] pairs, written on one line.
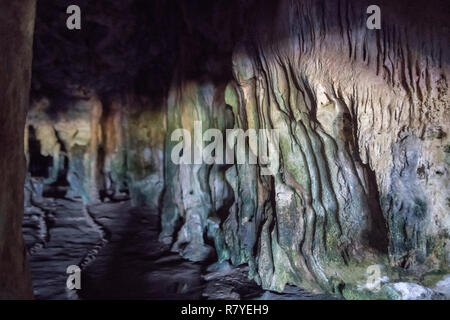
{"points": [[120, 256]]}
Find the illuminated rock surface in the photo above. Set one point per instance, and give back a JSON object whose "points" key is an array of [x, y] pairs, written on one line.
{"points": [[16, 38]]}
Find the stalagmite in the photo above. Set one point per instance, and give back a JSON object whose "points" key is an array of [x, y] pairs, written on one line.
{"points": [[95, 141]]}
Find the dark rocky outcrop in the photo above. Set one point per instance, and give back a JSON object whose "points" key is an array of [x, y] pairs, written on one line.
{"points": [[16, 38]]}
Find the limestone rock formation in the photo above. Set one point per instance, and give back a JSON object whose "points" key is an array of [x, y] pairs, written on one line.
{"points": [[362, 177], [16, 39]]}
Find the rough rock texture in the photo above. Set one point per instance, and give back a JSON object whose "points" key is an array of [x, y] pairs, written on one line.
{"points": [[411, 291], [99, 150], [116, 245], [58, 234], [16, 38], [363, 118], [131, 263], [443, 287], [363, 168]]}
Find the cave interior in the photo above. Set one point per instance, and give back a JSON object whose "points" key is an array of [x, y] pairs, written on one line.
{"points": [[361, 185]]}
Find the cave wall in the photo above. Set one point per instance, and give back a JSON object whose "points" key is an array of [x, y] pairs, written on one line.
{"points": [[16, 38], [363, 118], [363, 176]]}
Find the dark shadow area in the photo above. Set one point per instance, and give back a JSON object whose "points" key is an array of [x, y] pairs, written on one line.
{"points": [[144, 47]]}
